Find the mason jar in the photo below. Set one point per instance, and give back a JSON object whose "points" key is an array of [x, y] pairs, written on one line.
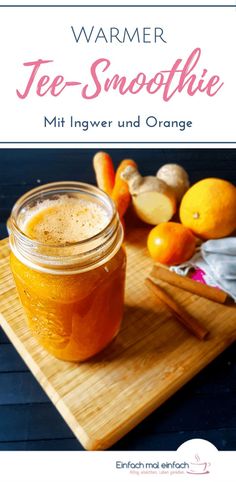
{"points": [[72, 292]]}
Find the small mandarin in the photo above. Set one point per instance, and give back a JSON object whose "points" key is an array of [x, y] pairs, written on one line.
{"points": [[171, 243]]}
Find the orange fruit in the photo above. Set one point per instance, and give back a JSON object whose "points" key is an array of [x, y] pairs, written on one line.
{"points": [[209, 208], [171, 243]]}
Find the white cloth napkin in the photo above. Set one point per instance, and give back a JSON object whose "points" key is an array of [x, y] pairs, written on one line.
{"points": [[217, 258]]}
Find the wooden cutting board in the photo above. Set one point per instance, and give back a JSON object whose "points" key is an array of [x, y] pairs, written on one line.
{"points": [[152, 357]]}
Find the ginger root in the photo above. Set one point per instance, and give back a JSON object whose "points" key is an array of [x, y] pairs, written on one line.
{"points": [[176, 177], [153, 200]]}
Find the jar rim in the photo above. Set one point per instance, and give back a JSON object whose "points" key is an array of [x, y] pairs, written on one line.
{"points": [[50, 187], [91, 252]]}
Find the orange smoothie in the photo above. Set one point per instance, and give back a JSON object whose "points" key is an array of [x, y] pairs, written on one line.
{"points": [[74, 313]]}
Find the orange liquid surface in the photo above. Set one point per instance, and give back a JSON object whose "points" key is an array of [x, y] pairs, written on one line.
{"points": [[73, 316]]}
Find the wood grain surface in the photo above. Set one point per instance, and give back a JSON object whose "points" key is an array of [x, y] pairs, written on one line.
{"points": [[152, 357]]}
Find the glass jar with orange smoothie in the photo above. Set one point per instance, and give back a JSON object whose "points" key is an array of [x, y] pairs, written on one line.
{"points": [[68, 264]]}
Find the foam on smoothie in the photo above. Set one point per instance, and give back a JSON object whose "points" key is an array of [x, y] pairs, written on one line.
{"points": [[64, 220]]}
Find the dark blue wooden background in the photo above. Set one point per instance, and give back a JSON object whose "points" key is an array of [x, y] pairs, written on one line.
{"points": [[204, 408]]}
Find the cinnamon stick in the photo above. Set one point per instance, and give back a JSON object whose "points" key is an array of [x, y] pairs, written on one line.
{"points": [[164, 274], [185, 318]]}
